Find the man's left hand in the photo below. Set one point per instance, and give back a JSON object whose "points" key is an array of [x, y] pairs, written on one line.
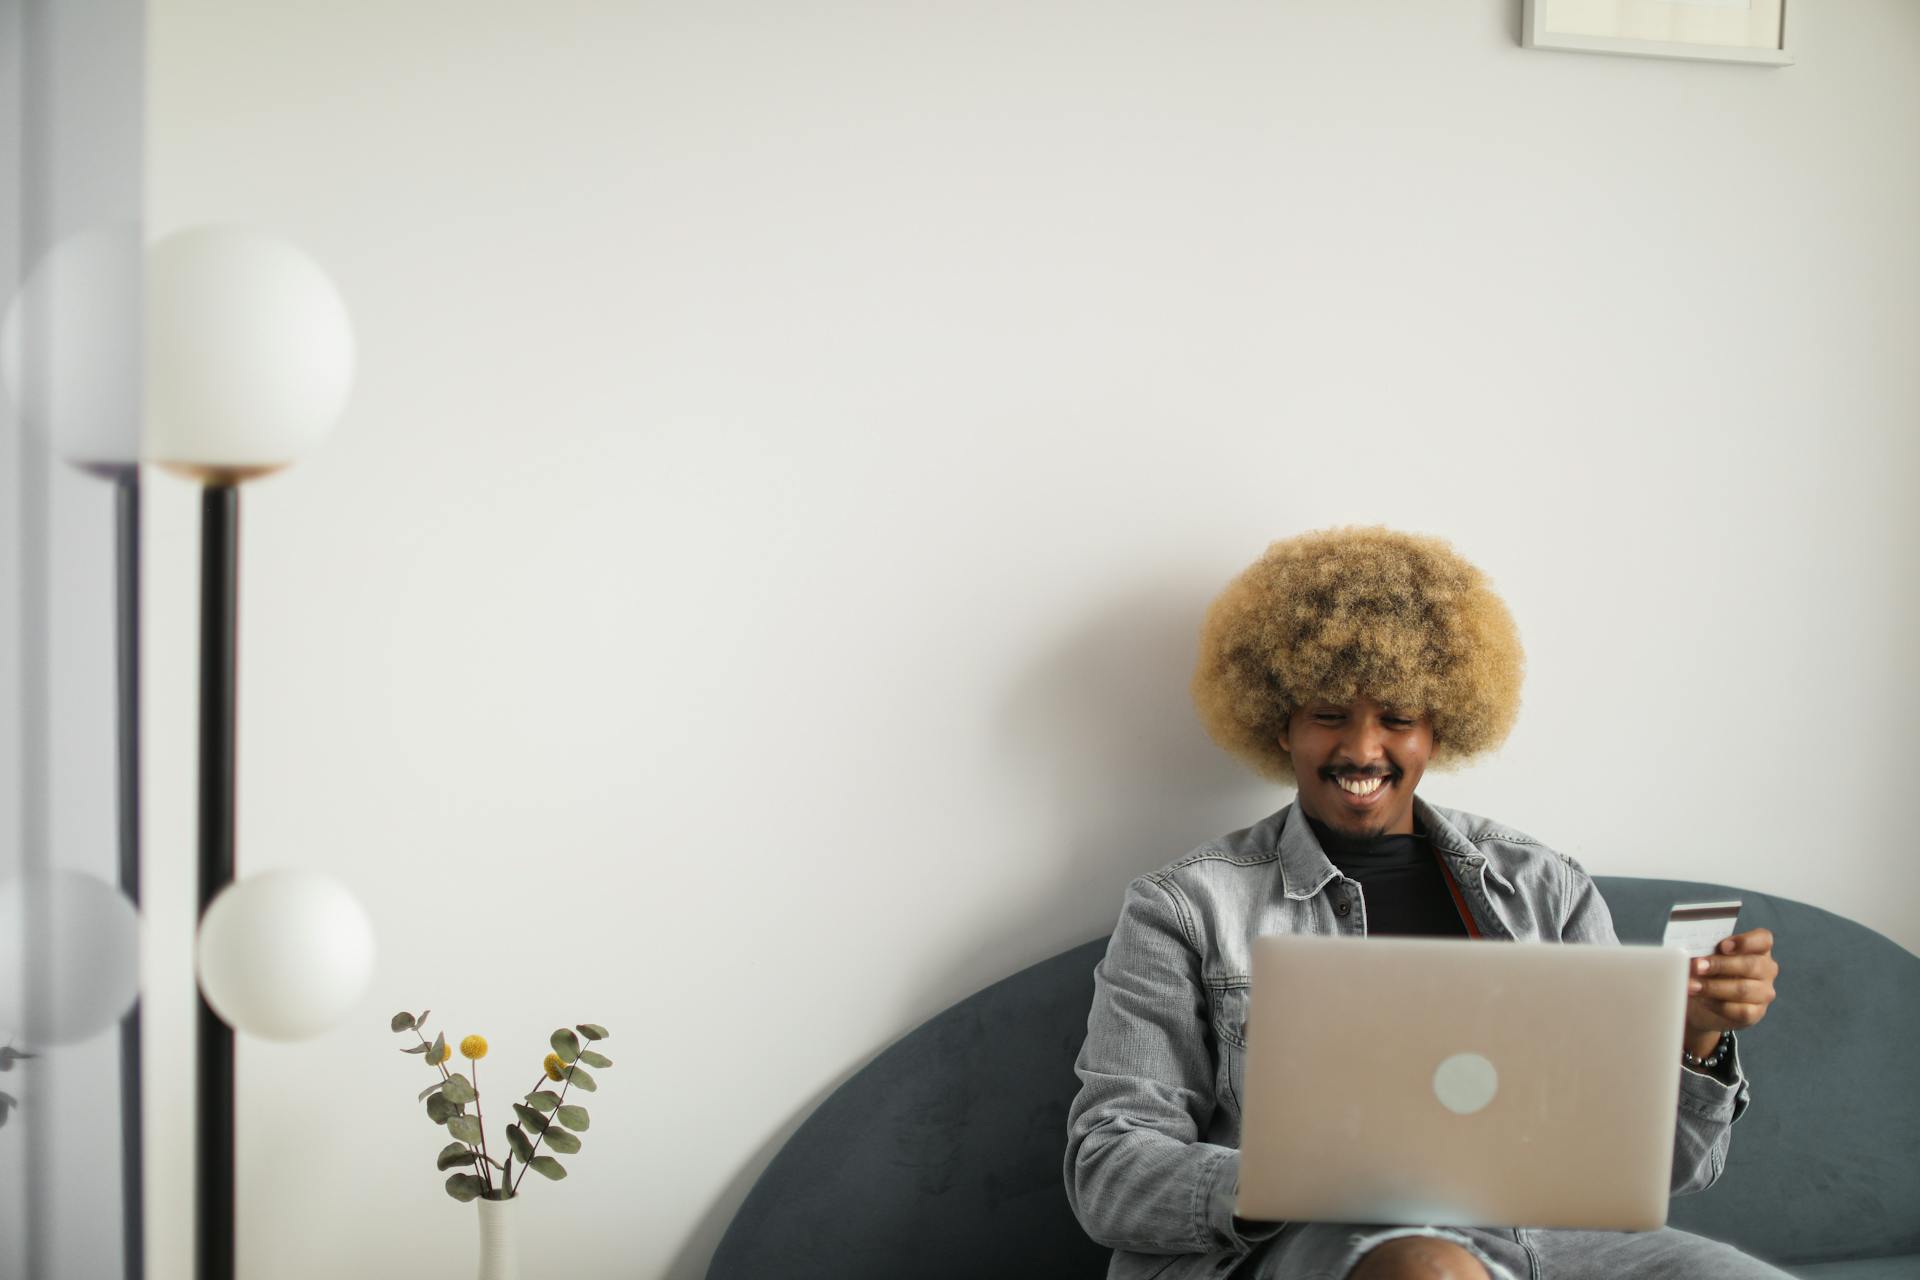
{"points": [[1731, 989]]}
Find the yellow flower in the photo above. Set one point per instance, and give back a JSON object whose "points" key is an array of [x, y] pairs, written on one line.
{"points": [[556, 1069], [473, 1048], [435, 1059]]}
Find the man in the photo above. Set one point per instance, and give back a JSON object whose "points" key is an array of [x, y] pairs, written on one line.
{"points": [[1346, 661]]}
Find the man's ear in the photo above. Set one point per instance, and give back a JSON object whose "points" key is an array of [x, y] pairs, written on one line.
{"points": [[1286, 732]]}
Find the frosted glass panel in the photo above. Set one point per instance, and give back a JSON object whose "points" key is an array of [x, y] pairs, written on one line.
{"points": [[71, 92]]}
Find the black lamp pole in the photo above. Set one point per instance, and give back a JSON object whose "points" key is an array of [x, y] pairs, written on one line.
{"points": [[126, 511], [219, 644], [212, 290]]}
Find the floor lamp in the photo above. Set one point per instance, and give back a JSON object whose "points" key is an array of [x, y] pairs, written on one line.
{"points": [[249, 361]]}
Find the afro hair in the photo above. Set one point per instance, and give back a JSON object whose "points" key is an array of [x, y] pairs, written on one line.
{"points": [[1357, 611]]}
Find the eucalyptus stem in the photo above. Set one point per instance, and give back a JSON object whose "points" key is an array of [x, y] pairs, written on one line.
{"points": [[513, 1185], [486, 1161], [507, 1181], [552, 1120], [527, 1164], [446, 1075]]}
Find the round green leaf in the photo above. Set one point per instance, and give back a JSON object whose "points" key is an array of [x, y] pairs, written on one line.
{"points": [[566, 1044], [533, 1120], [439, 1110], [560, 1140], [581, 1080], [457, 1088], [403, 1022], [466, 1186], [421, 1019], [465, 1128], [591, 1030], [548, 1167], [432, 1088], [593, 1059], [544, 1100], [517, 1139], [440, 1051], [453, 1155], [575, 1118]]}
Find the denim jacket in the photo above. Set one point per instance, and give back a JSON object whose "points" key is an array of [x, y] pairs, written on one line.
{"points": [[1153, 1160]]}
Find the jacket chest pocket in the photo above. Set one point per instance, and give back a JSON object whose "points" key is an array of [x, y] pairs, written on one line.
{"points": [[1230, 1034]]}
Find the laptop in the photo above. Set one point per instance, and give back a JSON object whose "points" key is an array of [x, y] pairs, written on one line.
{"points": [[1431, 1081]]}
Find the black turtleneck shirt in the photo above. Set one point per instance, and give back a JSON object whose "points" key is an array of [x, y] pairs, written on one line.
{"points": [[1401, 883]]}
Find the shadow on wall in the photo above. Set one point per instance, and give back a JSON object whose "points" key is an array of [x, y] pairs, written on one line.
{"points": [[1103, 727], [697, 1253], [1099, 737]]}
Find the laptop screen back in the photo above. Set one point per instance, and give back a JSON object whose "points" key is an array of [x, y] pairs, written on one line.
{"points": [[1440, 1081]]}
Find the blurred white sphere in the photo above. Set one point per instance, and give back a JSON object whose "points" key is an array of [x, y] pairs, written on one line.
{"points": [[285, 955], [78, 318], [249, 351], [75, 939]]}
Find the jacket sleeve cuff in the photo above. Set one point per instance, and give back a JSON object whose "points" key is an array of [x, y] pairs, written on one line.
{"points": [[1238, 1234], [1714, 1099]]}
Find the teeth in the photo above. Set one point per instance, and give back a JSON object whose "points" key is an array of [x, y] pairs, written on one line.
{"points": [[1361, 787]]}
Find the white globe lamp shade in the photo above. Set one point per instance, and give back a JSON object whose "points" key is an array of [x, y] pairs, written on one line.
{"points": [[69, 957], [70, 350], [284, 955], [249, 353]]}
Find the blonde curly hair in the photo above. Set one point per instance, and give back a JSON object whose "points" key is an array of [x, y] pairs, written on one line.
{"points": [[1358, 611]]}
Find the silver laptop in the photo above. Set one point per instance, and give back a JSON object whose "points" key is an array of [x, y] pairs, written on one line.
{"points": [[1442, 1081]]}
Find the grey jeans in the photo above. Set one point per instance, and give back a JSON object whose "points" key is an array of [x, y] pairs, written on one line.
{"points": [[1331, 1250]]}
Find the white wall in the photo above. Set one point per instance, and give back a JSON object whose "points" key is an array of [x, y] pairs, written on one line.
{"points": [[751, 598]]}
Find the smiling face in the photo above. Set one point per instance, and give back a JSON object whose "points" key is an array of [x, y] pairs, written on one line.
{"points": [[1378, 752]]}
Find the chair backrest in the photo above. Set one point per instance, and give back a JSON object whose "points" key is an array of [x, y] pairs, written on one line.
{"points": [[942, 1157]]}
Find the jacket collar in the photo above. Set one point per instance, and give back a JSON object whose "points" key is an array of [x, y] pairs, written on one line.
{"points": [[1305, 867]]}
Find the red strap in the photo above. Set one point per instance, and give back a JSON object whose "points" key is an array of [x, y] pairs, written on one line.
{"points": [[1459, 899]]}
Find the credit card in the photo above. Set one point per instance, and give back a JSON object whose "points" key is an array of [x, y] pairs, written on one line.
{"points": [[1697, 928]]}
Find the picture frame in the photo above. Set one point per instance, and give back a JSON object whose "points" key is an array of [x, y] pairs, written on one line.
{"points": [[1749, 31]]}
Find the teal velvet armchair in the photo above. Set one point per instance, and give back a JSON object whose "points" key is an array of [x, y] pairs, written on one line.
{"points": [[942, 1157]]}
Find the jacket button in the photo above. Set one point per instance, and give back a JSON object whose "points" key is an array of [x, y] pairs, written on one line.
{"points": [[1341, 908]]}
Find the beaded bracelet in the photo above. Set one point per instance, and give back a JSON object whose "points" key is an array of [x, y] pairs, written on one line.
{"points": [[1712, 1060]]}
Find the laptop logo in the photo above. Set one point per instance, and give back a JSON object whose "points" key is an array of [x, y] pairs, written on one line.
{"points": [[1465, 1083]]}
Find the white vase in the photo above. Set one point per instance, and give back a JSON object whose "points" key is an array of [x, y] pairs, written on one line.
{"points": [[499, 1259]]}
